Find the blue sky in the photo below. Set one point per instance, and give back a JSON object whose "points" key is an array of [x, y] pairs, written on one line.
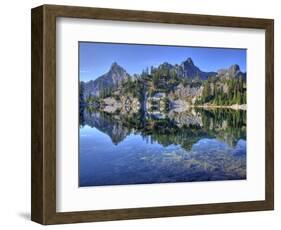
{"points": [[96, 58]]}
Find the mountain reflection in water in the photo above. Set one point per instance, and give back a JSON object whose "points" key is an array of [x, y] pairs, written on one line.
{"points": [[139, 148]]}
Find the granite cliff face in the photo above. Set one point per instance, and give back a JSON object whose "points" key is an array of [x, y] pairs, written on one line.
{"points": [[111, 80], [191, 71], [117, 74], [232, 72], [187, 70], [164, 87]]}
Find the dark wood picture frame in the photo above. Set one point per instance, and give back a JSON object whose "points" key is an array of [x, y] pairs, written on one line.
{"points": [[43, 188]]}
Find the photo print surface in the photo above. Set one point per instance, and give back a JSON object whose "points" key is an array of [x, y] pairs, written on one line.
{"points": [[161, 114]]}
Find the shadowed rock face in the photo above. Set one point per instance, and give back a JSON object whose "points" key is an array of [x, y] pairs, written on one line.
{"points": [[113, 78], [191, 71], [186, 70]]}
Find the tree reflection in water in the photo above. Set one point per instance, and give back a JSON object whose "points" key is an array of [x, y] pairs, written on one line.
{"points": [[194, 145]]}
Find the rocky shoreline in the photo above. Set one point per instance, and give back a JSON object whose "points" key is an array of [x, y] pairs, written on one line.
{"points": [[208, 106], [160, 103], [132, 105]]}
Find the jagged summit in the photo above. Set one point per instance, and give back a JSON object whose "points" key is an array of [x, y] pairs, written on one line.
{"points": [[111, 79], [190, 70], [185, 70], [116, 67], [189, 60], [166, 65], [114, 64], [232, 71], [234, 68]]}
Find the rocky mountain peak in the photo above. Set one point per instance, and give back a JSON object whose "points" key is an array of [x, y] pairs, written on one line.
{"points": [[115, 67], [114, 64], [234, 69], [166, 65], [189, 61], [112, 79], [190, 70], [117, 75]]}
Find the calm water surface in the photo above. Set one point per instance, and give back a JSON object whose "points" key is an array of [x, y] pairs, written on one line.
{"points": [[196, 145]]}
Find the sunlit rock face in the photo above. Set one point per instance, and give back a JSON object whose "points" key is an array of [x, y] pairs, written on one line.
{"points": [[182, 85], [124, 105], [186, 94], [232, 72]]}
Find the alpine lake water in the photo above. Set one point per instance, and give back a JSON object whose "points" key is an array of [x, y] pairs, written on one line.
{"points": [[194, 145]]}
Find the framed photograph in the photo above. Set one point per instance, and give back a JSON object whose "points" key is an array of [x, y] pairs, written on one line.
{"points": [[141, 114]]}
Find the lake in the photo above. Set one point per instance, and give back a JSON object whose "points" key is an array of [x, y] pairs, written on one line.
{"points": [[175, 146]]}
